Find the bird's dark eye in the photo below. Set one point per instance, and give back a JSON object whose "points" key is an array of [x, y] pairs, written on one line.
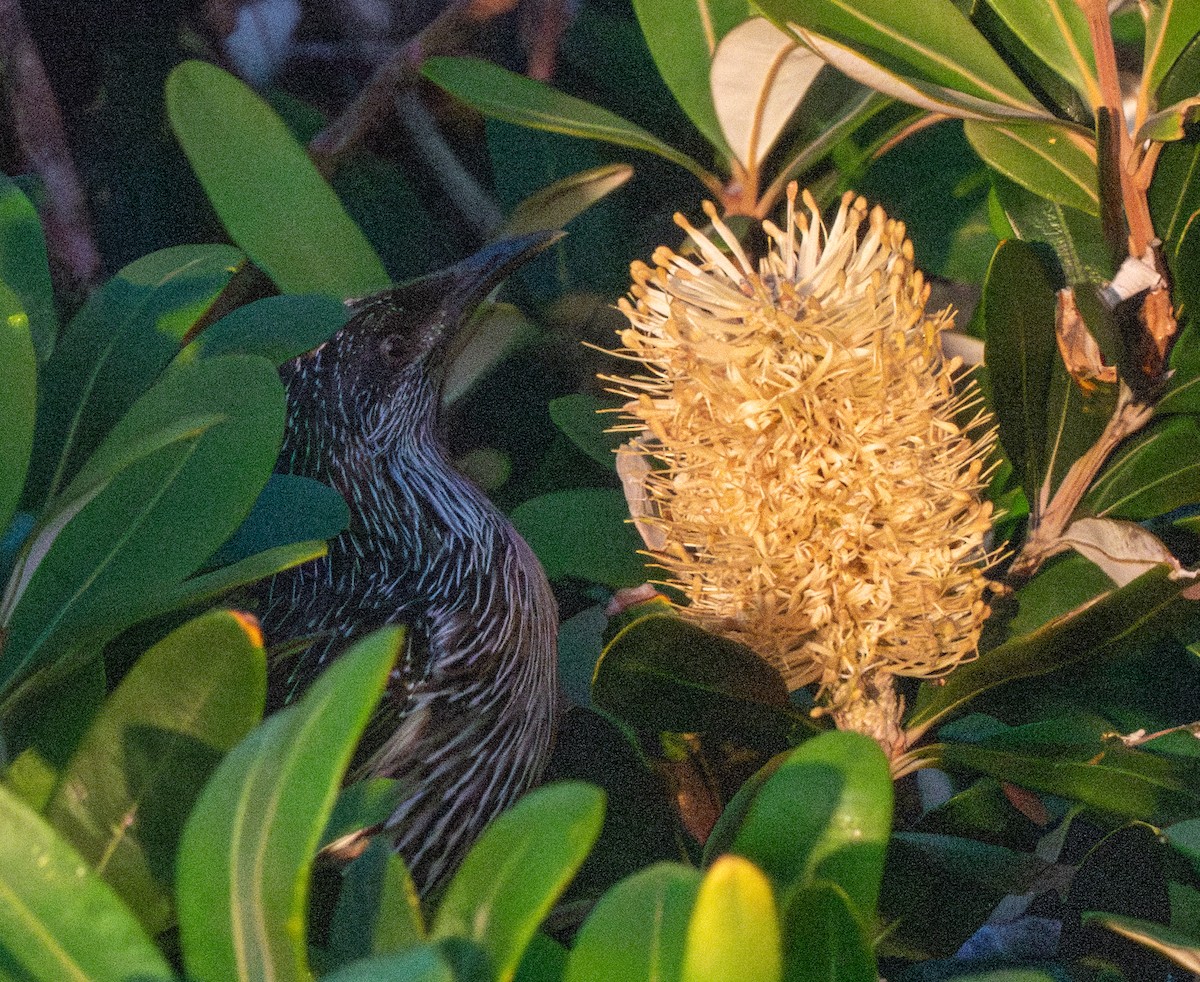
{"points": [[391, 347]]}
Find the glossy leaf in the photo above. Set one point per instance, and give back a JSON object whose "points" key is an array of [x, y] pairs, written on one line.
{"points": [[265, 189], [555, 205], [421, 964], [115, 348], [369, 801], [662, 673], [1077, 418], [759, 76], [583, 532], [278, 328], [247, 850], [518, 868], [933, 42], [378, 910], [124, 798], [734, 930], [1046, 158], [1174, 195], [1056, 31], [1152, 474], [156, 521], [18, 397], [825, 814], [823, 939], [1180, 948], [61, 921], [1105, 628], [502, 94], [637, 930], [580, 418], [1185, 837], [24, 267], [682, 36], [496, 330], [1170, 26], [1018, 313]]}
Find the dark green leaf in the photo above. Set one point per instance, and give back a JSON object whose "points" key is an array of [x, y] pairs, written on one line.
{"points": [[823, 939], [421, 964], [1185, 836], [247, 850], [502, 94], [1077, 418], [378, 911], [265, 189], [555, 205], [579, 417], [1151, 474], [545, 960], [1174, 193], [18, 398], [518, 868], [114, 349], [290, 509], [1057, 32], [1182, 949], [1107, 628], [662, 673], [362, 804], [61, 921], [124, 798], [1048, 159], [583, 532], [825, 814], [278, 328], [1018, 313], [1170, 26], [24, 267], [638, 928], [734, 930]]}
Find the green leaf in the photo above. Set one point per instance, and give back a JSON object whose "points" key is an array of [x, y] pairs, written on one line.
{"points": [[662, 673], [1018, 314], [370, 801], [61, 921], [289, 509], [1170, 26], [501, 94], [682, 36], [637, 930], [734, 930], [580, 418], [824, 939], [494, 332], [1174, 194], [278, 328], [24, 267], [1185, 837], [114, 349], [422, 964], [1180, 948], [378, 911], [1155, 472], [518, 868], [18, 397], [933, 42], [583, 532], [555, 205], [247, 850], [124, 798], [825, 814], [156, 521], [1056, 31], [1048, 159], [1106, 628], [1077, 418], [266, 191]]}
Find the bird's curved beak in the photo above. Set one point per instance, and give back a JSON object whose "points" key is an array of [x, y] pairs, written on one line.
{"points": [[468, 282]]}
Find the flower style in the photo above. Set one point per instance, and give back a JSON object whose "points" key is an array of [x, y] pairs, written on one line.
{"points": [[800, 471]]}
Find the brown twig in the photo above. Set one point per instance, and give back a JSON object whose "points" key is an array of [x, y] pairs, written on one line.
{"points": [[38, 123]]}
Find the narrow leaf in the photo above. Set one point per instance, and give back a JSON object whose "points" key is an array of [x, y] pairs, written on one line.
{"points": [[1152, 474], [1046, 158], [734, 929], [1170, 26], [24, 266], [18, 398], [378, 910], [555, 205], [1180, 948], [272, 200], [247, 851], [1056, 31]]}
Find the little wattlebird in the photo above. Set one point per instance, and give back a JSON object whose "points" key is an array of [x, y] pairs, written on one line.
{"points": [[468, 717]]}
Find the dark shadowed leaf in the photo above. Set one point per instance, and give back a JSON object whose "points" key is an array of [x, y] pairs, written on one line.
{"points": [[378, 911], [579, 417], [265, 189], [421, 964], [24, 267], [278, 328], [1181, 948], [124, 798], [555, 205], [638, 928], [247, 851], [1153, 473], [61, 921], [1185, 836], [518, 868], [823, 939], [18, 398]]}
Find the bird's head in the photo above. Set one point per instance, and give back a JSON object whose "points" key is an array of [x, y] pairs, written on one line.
{"points": [[385, 366]]}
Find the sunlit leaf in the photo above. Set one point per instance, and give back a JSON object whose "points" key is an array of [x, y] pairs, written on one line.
{"points": [[24, 267], [734, 930], [1046, 158], [247, 851], [61, 921], [759, 76], [265, 189], [1057, 32], [1124, 550], [1170, 26], [1180, 948]]}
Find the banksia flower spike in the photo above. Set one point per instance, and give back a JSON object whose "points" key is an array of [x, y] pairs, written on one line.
{"points": [[799, 470]]}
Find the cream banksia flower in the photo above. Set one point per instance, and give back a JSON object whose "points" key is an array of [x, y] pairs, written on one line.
{"points": [[800, 474]]}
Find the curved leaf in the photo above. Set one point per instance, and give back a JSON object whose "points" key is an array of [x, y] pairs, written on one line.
{"points": [[24, 267], [1154, 473], [18, 399], [638, 929], [1170, 26], [824, 939], [1045, 158], [378, 911], [278, 328], [264, 188], [61, 921], [554, 206], [499, 93], [734, 930], [421, 964], [247, 850], [579, 417], [1057, 32], [124, 798], [518, 868], [1181, 948]]}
